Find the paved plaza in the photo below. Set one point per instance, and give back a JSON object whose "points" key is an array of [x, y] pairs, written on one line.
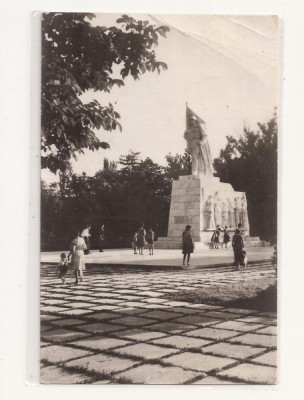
{"points": [[164, 257], [119, 327]]}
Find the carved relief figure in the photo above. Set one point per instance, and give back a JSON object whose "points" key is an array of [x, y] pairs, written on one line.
{"points": [[210, 210], [225, 220], [205, 212], [231, 217], [238, 211], [218, 211], [244, 213]]}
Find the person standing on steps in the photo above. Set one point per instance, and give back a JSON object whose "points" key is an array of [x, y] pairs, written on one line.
{"points": [[226, 237], [188, 245], [216, 237]]}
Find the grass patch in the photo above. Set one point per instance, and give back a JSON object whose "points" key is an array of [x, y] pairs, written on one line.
{"points": [[257, 294]]}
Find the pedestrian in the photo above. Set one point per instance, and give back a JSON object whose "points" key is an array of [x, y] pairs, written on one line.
{"points": [[62, 267], [150, 241], [216, 237], [86, 236], [77, 262], [134, 242], [238, 247], [101, 238], [212, 240], [141, 234], [239, 227], [226, 237], [188, 245]]}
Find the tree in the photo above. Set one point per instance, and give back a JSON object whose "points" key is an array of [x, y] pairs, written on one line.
{"points": [[250, 165], [129, 161], [123, 198], [178, 165], [109, 165], [77, 57]]}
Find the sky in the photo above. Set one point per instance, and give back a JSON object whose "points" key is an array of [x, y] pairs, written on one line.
{"points": [[224, 67]]}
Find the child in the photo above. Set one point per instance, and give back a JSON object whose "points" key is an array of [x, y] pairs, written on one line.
{"points": [[62, 267], [134, 242], [150, 241], [245, 259], [226, 236], [216, 237]]}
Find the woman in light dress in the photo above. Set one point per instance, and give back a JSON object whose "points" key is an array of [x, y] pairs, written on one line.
{"points": [[141, 234], [77, 252]]}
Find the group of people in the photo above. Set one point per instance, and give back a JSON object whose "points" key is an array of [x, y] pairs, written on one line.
{"points": [[140, 238], [215, 239], [81, 244], [78, 246], [240, 257]]}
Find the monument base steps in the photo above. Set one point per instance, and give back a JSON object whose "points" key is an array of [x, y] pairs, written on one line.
{"points": [[174, 243]]}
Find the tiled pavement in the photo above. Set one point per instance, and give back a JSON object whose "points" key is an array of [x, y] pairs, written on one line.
{"points": [[116, 327]]}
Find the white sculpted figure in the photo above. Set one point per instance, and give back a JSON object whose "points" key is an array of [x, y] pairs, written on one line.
{"points": [[210, 210], [206, 215], [244, 213], [218, 211], [231, 216], [238, 211], [198, 147], [225, 221]]}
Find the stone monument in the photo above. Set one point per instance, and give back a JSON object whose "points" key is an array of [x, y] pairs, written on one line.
{"points": [[200, 199]]}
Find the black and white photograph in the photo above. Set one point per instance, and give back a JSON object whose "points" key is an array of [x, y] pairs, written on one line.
{"points": [[159, 182]]}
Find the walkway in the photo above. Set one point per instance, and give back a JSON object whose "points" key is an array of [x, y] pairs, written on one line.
{"points": [[118, 327], [164, 257]]}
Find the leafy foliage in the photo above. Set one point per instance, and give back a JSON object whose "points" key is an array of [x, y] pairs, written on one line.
{"points": [[77, 57], [121, 196], [250, 165], [178, 165]]}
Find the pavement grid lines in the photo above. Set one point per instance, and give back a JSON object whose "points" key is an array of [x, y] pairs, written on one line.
{"points": [[118, 326]]}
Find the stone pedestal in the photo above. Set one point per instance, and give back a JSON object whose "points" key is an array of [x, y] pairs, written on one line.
{"points": [[203, 202]]}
